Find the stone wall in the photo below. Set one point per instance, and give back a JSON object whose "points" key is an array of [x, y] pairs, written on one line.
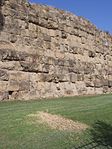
{"points": [[46, 52]]}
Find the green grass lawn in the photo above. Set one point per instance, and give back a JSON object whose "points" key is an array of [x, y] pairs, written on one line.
{"points": [[17, 133]]}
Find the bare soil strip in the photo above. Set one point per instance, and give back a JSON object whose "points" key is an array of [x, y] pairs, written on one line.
{"points": [[57, 122]]}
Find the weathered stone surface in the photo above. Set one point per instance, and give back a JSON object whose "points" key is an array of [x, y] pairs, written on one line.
{"points": [[46, 52], [4, 76], [110, 83]]}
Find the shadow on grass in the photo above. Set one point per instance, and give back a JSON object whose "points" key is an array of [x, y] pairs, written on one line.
{"points": [[100, 137], [101, 133], [2, 21]]}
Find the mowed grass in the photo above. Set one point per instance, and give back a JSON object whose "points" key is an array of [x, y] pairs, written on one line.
{"points": [[16, 132]]}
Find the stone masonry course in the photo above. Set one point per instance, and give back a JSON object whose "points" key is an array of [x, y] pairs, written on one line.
{"points": [[46, 52]]}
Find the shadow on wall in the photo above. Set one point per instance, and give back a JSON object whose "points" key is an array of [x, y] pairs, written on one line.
{"points": [[2, 21]]}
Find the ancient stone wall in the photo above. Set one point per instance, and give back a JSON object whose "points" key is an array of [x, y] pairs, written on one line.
{"points": [[46, 52]]}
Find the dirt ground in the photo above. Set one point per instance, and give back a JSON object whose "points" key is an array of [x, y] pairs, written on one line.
{"points": [[57, 122]]}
